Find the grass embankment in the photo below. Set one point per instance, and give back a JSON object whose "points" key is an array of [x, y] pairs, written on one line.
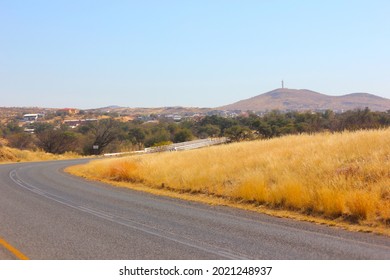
{"points": [[8, 155], [341, 178]]}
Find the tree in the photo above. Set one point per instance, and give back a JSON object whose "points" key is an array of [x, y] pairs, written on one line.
{"points": [[57, 141], [158, 136], [238, 133], [103, 132], [222, 123], [41, 126], [12, 127], [263, 129], [183, 135], [136, 135], [21, 140], [209, 130]]}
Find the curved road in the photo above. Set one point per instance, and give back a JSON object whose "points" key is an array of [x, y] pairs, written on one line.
{"points": [[47, 214]]}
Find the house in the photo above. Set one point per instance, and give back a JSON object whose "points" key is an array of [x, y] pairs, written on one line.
{"points": [[30, 117], [177, 118], [76, 123], [72, 123], [29, 130]]}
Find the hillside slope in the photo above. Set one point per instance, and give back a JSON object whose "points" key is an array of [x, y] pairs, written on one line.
{"points": [[8, 155], [342, 177], [302, 99]]}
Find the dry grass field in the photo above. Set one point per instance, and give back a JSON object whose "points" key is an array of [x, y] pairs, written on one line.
{"points": [[342, 177], [8, 155]]}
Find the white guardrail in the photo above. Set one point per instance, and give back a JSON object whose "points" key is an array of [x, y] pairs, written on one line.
{"points": [[189, 145]]}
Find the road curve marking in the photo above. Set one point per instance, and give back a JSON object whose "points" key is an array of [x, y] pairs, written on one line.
{"points": [[184, 240], [13, 250], [172, 236]]}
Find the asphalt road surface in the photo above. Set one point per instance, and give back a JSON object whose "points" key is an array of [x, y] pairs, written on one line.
{"points": [[48, 214]]}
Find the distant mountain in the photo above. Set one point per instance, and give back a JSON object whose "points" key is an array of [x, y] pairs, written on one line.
{"points": [[302, 99], [111, 107]]}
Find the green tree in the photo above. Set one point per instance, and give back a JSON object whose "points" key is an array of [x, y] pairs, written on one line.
{"points": [[209, 130], [137, 135], [238, 133], [183, 135], [263, 129], [157, 136], [41, 126], [12, 127]]}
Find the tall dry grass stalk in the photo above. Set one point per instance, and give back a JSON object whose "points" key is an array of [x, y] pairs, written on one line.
{"points": [[344, 175]]}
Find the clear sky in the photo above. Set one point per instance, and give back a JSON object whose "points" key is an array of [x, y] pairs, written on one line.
{"points": [[89, 54]]}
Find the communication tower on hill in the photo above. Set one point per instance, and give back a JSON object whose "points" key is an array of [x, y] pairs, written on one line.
{"points": [[282, 84]]}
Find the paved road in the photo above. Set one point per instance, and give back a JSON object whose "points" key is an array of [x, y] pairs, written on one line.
{"points": [[47, 214]]}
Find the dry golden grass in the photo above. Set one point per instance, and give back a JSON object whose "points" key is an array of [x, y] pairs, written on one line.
{"points": [[342, 177], [8, 155]]}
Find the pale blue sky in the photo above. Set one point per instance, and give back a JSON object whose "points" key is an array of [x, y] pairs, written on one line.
{"points": [[89, 54]]}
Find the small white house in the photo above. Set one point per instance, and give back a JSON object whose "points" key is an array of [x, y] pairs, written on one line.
{"points": [[177, 118], [30, 117]]}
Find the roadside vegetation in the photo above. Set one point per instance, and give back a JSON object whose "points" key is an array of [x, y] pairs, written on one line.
{"points": [[97, 134], [8, 155], [340, 177]]}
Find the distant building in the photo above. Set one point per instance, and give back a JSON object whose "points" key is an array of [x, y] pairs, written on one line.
{"points": [[32, 117], [72, 123], [29, 130], [76, 123], [177, 118]]}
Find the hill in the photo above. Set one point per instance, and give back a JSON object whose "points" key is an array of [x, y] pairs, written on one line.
{"points": [[302, 99]]}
